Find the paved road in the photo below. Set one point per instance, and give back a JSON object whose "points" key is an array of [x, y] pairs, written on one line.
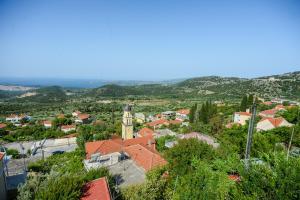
{"points": [[16, 166]]}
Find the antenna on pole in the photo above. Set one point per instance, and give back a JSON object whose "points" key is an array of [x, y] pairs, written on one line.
{"points": [[250, 134]]}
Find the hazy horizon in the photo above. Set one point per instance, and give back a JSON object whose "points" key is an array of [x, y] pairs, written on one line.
{"points": [[148, 40]]}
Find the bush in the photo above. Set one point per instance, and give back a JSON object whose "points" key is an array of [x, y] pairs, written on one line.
{"points": [[13, 152]]}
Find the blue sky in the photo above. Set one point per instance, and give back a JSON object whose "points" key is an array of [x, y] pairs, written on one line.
{"points": [[148, 40]]}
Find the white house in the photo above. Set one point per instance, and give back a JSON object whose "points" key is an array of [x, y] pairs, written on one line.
{"points": [[241, 117], [68, 128], [270, 123], [76, 113], [47, 124]]}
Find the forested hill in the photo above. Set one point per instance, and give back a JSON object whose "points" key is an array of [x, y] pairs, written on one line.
{"points": [[285, 85], [44, 95]]}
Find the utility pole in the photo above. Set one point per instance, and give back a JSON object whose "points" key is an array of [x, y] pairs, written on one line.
{"points": [[290, 144], [250, 134]]}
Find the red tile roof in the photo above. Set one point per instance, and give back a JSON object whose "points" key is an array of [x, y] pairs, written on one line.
{"points": [[235, 178], [268, 112], [243, 113], [47, 122], [146, 132], [2, 155], [268, 103], [68, 126], [183, 111], [83, 116], [96, 190], [280, 107], [144, 157], [176, 121], [275, 121], [158, 122], [115, 145], [2, 125]]}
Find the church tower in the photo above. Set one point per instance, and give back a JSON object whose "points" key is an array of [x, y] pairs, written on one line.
{"points": [[127, 126]]}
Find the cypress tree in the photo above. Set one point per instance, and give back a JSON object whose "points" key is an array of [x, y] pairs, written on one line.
{"points": [[244, 103]]}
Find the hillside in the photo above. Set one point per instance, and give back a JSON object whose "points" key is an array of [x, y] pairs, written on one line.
{"points": [[44, 95], [214, 87]]}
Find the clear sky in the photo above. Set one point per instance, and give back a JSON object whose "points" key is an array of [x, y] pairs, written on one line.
{"points": [[148, 39]]}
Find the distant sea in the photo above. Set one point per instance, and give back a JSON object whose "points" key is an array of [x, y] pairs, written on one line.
{"points": [[73, 83]]}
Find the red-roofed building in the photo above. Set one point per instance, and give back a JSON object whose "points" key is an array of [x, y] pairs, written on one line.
{"points": [[280, 107], [175, 122], [141, 150], [241, 117], [2, 125], [268, 113], [182, 114], [68, 128], [267, 103], [82, 118], [144, 132], [235, 178], [270, 123], [115, 145], [158, 123], [96, 190], [47, 124], [76, 113], [144, 157]]}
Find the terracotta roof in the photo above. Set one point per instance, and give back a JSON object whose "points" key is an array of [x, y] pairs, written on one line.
{"points": [[183, 111], [47, 122], [243, 113], [96, 190], [268, 112], [144, 157], [68, 126], [2, 125], [2, 155], [176, 121], [158, 122], [268, 103], [235, 178], [83, 116], [115, 145], [280, 107], [275, 121], [146, 132]]}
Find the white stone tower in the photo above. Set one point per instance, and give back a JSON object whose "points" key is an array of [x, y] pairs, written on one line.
{"points": [[127, 126]]}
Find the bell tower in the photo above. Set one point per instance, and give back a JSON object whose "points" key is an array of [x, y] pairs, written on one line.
{"points": [[127, 126]]}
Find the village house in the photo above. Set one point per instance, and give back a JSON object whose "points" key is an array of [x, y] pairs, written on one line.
{"points": [[47, 124], [109, 152], [140, 118], [158, 123], [76, 113], [82, 118], [145, 132], [241, 117], [13, 118], [168, 115], [268, 113], [68, 128], [164, 132], [270, 123], [2, 125], [182, 114], [97, 189], [200, 136], [280, 107]]}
